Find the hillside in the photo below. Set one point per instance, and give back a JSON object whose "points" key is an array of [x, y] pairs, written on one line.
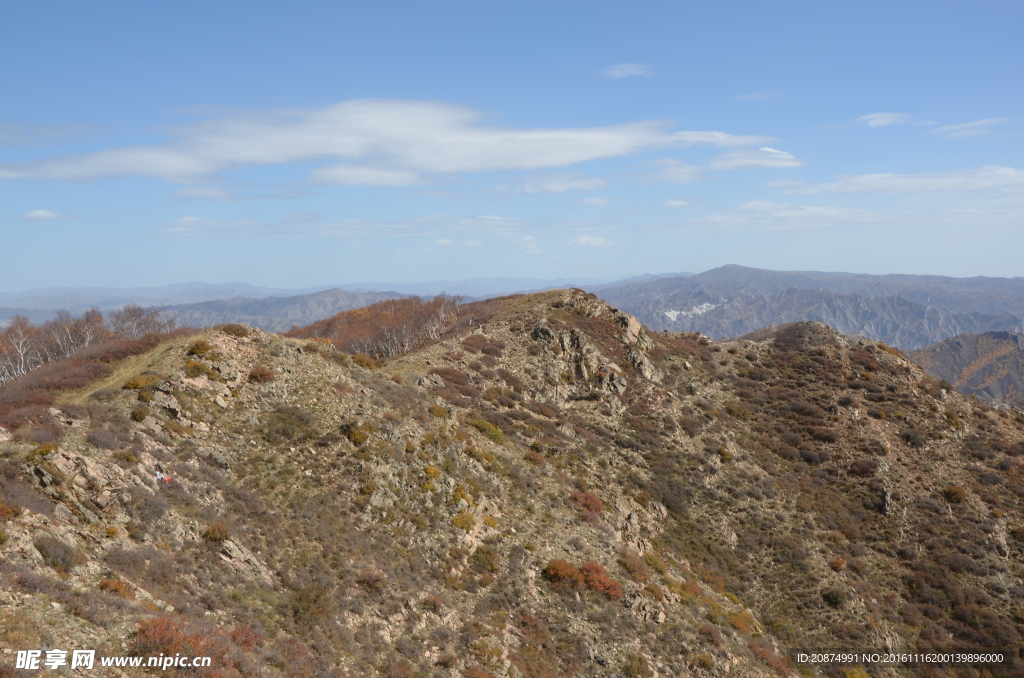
{"points": [[546, 488], [905, 311], [273, 314], [988, 365]]}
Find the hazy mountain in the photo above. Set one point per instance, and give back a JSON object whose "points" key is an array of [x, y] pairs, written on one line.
{"points": [[544, 489], [274, 314], [902, 310], [989, 365]]}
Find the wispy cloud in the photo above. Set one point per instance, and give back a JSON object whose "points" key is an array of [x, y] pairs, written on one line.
{"points": [[986, 178], [748, 158], [968, 129], [676, 203], [597, 201], [211, 193], [676, 172], [720, 139], [560, 183], [884, 119], [20, 134], [762, 215], [42, 215], [591, 241], [626, 70], [449, 242], [758, 96], [380, 143]]}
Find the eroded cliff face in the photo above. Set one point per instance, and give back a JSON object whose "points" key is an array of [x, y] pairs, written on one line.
{"points": [[988, 365], [552, 489]]}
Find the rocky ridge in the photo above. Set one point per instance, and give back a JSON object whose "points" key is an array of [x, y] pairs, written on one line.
{"points": [[552, 490]]}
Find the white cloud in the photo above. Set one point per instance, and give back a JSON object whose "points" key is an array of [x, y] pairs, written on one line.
{"points": [[591, 241], [41, 215], [388, 142], [597, 201], [762, 215], [676, 203], [720, 139], [472, 243], [986, 178], [364, 176], [560, 183], [677, 172], [445, 242], [758, 96], [968, 129], [206, 193], [884, 119], [626, 70], [748, 158], [16, 134], [528, 243]]}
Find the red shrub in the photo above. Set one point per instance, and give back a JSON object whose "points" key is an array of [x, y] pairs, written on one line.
{"points": [[587, 502], [563, 575], [596, 578]]}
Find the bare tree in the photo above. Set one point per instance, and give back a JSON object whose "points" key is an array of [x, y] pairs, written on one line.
{"points": [[134, 321]]}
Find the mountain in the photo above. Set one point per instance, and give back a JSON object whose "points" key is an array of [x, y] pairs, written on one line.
{"points": [[906, 311], [540, 487], [274, 314], [989, 365]]}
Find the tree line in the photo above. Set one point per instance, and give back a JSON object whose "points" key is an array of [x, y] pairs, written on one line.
{"points": [[25, 346], [388, 328]]}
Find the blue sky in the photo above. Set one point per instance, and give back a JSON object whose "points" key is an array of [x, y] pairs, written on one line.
{"points": [[296, 144]]}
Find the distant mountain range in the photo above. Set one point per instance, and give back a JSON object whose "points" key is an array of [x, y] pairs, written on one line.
{"points": [[275, 314], [273, 309], [906, 311]]}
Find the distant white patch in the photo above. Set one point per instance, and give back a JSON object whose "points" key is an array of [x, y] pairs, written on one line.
{"points": [[560, 183], [748, 158], [884, 119], [592, 241], [41, 215], [472, 243], [696, 310], [206, 193], [627, 70], [596, 202], [445, 242], [676, 203], [676, 172], [967, 129]]}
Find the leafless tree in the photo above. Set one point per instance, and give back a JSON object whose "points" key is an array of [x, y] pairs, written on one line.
{"points": [[134, 321]]}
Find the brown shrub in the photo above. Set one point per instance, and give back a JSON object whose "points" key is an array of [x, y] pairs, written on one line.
{"points": [[365, 360], [635, 566], [261, 375], [218, 532], [235, 330], [8, 512], [596, 578], [587, 502], [117, 587], [433, 603], [563, 575], [954, 494], [57, 554]]}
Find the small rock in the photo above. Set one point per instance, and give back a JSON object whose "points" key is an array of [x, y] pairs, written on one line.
{"points": [[223, 404], [4, 435]]}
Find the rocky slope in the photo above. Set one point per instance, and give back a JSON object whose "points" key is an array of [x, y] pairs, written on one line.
{"points": [[552, 490], [905, 311], [989, 365]]}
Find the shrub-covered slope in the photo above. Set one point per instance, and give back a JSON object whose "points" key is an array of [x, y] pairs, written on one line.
{"points": [[547, 489]]}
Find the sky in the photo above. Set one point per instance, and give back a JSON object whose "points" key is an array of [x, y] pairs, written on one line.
{"points": [[307, 143]]}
